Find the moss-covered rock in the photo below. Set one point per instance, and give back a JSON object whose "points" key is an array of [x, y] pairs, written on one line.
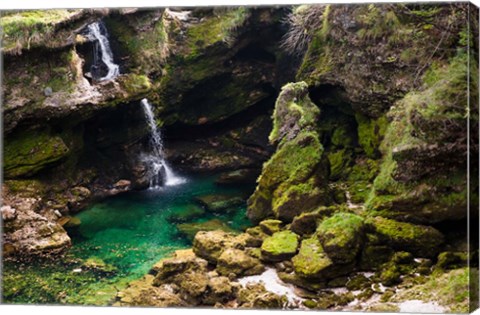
{"points": [[370, 134], [257, 297], [312, 262], [31, 151], [306, 223], [270, 226], [280, 246], [373, 256], [239, 263], [341, 236], [420, 240], [294, 179], [452, 260], [210, 245]]}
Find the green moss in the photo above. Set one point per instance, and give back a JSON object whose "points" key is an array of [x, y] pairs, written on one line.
{"points": [[280, 246], [311, 259], [450, 289], [341, 236], [31, 151], [135, 84], [297, 198], [144, 41], [219, 28], [25, 28], [420, 240], [28, 187], [370, 134], [293, 106], [340, 162], [292, 163]]}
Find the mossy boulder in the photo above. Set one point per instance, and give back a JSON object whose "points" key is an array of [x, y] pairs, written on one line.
{"points": [[306, 223], [31, 151], [420, 240], [239, 263], [373, 256], [219, 290], [254, 295], [210, 245], [452, 260], [341, 236], [312, 262], [294, 179], [280, 246], [270, 226]]}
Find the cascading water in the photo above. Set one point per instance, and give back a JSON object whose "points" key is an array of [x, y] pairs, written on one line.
{"points": [[98, 33], [156, 160]]}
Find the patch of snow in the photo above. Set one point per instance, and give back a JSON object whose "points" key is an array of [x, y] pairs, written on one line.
{"points": [[417, 306], [274, 284]]}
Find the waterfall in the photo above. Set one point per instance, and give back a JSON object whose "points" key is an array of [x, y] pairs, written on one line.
{"points": [[98, 33], [155, 159]]}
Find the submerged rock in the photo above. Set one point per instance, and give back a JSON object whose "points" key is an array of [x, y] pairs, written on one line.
{"points": [[186, 214], [243, 176], [189, 230], [98, 265], [219, 203], [280, 246]]}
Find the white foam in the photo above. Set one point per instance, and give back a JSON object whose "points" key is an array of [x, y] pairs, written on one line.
{"points": [[273, 284], [417, 306]]}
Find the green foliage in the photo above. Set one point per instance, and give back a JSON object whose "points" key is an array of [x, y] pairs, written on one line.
{"points": [[370, 134]]}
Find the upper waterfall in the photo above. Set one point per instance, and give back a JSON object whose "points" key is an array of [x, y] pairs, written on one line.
{"points": [[98, 32], [156, 160]]}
